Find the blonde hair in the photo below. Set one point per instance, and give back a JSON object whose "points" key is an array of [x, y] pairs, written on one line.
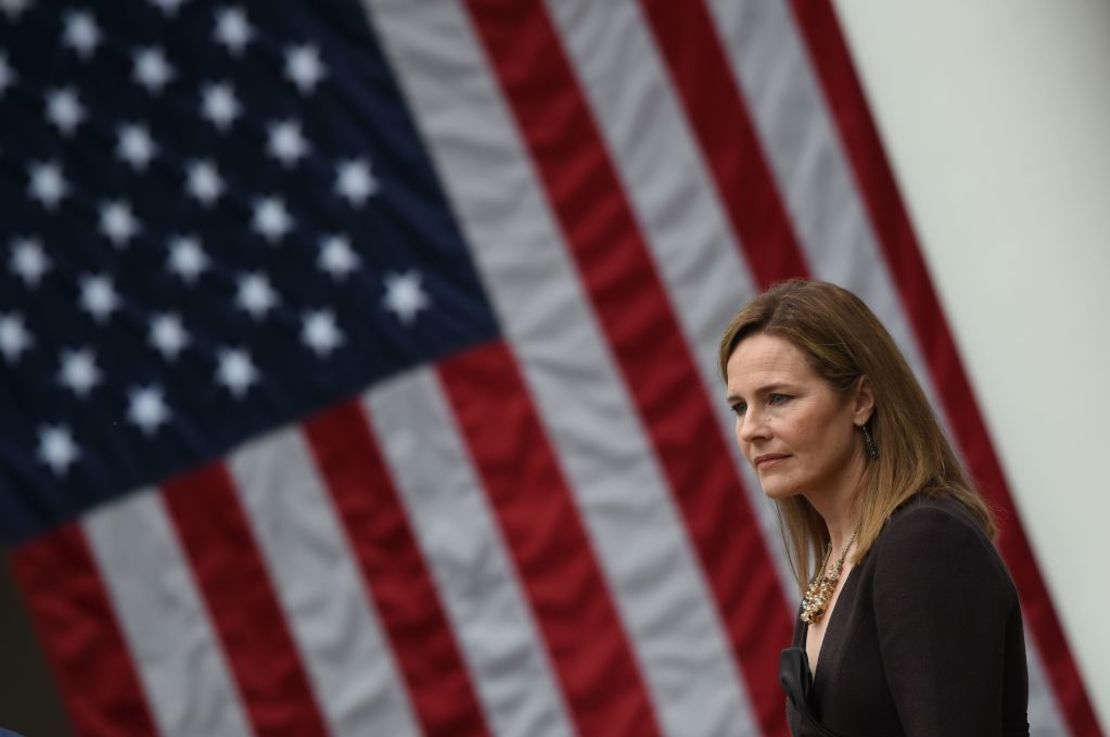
{"points": [[843, 340]]}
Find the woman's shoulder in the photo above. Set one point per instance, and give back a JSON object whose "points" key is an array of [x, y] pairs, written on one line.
{"points": [[929, 512], [936, 535]]}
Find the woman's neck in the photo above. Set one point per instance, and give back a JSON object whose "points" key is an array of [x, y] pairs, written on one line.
{"points": [[841, 525], [839, 508]]}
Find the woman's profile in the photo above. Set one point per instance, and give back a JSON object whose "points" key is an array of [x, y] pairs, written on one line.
{"points": [[909, 622]]}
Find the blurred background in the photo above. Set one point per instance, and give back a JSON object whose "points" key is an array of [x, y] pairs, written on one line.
{"points": [[357, 360]]}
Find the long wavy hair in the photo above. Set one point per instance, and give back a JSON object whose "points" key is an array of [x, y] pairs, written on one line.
{"points": [[843, 340]]}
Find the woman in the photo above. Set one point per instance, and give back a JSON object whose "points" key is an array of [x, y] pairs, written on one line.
{"points": [[909, 623]]}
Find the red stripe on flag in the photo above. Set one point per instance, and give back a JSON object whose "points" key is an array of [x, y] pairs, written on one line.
{"points": [[553, 554], [236, 587], [79, 632], [395, 572], [634, 311], [891, 222], [716, 109]]}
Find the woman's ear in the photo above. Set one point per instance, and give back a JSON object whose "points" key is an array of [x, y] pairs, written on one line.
{"points": [[863, 401]]}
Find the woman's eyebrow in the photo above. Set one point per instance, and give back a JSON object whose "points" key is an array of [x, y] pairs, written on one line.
{"points": [[764, 389]]}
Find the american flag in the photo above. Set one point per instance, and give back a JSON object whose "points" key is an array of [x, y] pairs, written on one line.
{"points": [[359, 358]]}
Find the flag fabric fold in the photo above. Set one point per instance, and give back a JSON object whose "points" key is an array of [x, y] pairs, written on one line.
{"points": [[359, 367]]}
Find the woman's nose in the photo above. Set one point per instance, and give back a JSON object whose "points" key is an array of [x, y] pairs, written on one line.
{"points": [[749, 426]]}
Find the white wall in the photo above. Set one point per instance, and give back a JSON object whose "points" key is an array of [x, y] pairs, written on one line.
{"points": [[996, 115]]}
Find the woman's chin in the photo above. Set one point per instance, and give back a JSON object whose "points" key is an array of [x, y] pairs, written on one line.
{"points": [[778, 491]]}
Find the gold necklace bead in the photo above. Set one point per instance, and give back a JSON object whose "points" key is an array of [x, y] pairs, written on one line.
{"points": [[815, 601]]}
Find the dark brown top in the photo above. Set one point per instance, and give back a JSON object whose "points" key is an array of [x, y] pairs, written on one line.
{"points": [[926, 637]]}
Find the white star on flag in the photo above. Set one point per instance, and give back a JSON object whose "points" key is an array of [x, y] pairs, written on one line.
{"points": [[151, 69], [271, 219], [203, 181], [118, 223], [304, 68], [233, 30], [404, 295], [256, 296], [14, 338], [287, 144], [187, 259], [7, 76], [64, 110], [14, 8], [79, 371], [135, 146], [320, 332], [57, 449], [169, 7], [81, 33], [220, 105], [354, 181], [336, 257], [48, 184], [98, 296], [236, 371], [168, 335], [29, 261], [147, 408]]}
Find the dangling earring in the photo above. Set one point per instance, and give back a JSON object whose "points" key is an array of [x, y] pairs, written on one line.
{"points": [[869, 443]]}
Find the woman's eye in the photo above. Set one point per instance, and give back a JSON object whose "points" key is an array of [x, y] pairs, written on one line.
{"points": [[773, 399], [739, 408]]}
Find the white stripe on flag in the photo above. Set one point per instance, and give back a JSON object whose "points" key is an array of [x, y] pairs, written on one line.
{"points": [[774, 75], [1044, 713], [174, 647], [338, 635], [468, 559], [643, 548], [673, 196]]}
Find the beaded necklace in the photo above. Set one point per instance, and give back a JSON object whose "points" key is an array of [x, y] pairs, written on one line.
{"points": [[816, 599]]}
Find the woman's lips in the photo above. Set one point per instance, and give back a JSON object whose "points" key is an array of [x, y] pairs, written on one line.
{"points": [[770, 460]]}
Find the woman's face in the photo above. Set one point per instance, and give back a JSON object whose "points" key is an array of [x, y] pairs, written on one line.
{"points": [[799, 434]]}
